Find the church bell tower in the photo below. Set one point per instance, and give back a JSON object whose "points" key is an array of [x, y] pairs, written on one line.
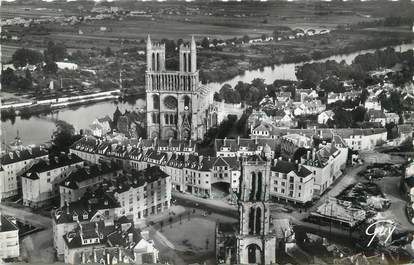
{"points": [[256, 244]]}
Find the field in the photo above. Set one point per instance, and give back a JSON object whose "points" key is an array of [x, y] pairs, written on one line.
{"points": [[177, 20]]}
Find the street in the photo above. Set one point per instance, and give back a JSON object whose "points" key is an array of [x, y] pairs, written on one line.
{"points": [[24, 215]]}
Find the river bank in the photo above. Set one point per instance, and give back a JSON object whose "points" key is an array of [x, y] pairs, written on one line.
{"points": [[44, 106], [234, 65], [38, 129]]}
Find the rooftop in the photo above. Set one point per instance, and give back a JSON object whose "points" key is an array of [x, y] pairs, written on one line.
{"points": [[45, 165], [21, 155], [287, 167]]}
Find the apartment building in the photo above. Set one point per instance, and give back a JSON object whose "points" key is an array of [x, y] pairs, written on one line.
{"points": [[40, 184], [326, 164], [141, 193], [80, 180], [15, 163], [291, 182]]}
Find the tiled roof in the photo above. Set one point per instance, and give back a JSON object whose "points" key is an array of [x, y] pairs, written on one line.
{"points": [[287, 167], [114, 235], [87, 173], [53, 163], [21, 155], [376, 114], [89, 204], [138, 179], [6, 224]]}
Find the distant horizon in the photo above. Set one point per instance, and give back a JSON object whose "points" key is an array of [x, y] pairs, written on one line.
{"points": [[112, 1]]}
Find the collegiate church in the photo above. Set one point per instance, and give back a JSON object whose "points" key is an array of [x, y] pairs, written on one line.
{"points": [[177, 103]]}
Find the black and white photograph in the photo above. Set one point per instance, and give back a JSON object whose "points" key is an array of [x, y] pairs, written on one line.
{"points": [[204, 132]]}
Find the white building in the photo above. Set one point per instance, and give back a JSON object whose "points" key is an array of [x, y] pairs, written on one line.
{"points": [[291, 182], [325, 116], [143, 193], [40, 182], [364, 139], [9, 238], [13, 164], [326, 164]]}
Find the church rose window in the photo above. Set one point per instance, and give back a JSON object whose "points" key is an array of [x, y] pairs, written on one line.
{"points": [[170, 102]]}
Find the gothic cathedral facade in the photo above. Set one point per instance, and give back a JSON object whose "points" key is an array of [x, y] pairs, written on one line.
{"points": [[176, 100]]}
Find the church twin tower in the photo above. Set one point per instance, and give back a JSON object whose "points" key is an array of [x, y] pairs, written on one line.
{"points": [[173, 97]]}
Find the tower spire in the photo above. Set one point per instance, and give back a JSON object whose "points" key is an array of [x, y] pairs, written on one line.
{"points": [[149, 44], [193, 54], [193, 43]]}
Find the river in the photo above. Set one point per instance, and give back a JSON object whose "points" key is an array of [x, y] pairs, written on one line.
{"points": [[39, 129]]}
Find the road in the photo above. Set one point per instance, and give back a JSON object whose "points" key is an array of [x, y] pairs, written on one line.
{"points": [[26, 216]]}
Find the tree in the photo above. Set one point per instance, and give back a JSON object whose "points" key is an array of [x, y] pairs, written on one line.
{"points": [[63, 137], [55, 52], [246, 39], [108, 52], [229, 94], [8, 78], [50, 68], [331, 84], [24, 84], [21, 57], [179, 42], [28, 75], [205, 43], [217, 97]]}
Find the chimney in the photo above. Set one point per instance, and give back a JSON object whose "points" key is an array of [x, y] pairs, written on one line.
{"points": [[130, 237], [225, 139], [120, 256], [108, 260], [170, 141], [299, 165], [313, 154], [200, 159], [67, 208], [238, 140], [307, 155]]}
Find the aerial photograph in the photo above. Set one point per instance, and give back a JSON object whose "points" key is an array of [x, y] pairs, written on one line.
{"points": [[207, 132]]}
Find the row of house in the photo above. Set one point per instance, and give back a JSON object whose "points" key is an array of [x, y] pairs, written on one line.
{"points": [[356, 139]]}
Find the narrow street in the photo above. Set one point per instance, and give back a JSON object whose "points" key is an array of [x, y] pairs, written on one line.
{"points": [[24, 215]]}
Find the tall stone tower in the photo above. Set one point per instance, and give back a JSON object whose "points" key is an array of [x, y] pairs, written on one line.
{"points": [[256, 244], [173, 97]]}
